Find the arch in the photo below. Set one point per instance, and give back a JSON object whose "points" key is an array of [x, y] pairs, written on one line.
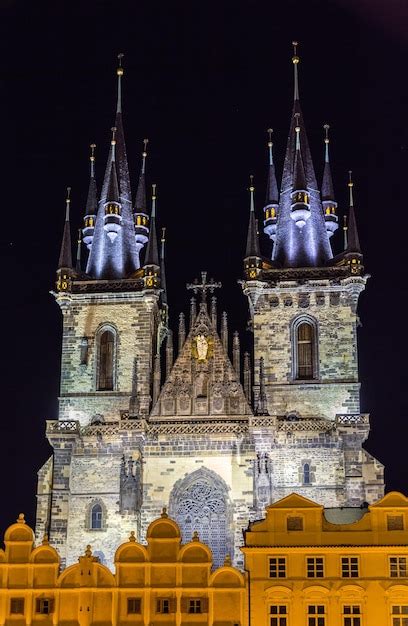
{"points": [[226, 577], [304, 339], [195, 552], [96, 515], [71, 576], [200, 502], [44, 554], [163, 528], [131, 552], [106, 357], [19, 532]]}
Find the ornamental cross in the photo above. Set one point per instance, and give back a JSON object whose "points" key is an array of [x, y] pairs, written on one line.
{"points": [[204, 286]]}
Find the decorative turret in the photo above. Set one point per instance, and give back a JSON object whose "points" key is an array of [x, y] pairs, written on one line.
{"points": [[272, 197], [252, 259], [113, 208], [300, 199], [353, 254], [141, 219], [91, 204], [152, 263], [328, 202], [64, 271]]}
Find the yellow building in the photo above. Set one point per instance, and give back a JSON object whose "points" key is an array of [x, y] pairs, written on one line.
{"points": [[306, 571], [159, 583]]}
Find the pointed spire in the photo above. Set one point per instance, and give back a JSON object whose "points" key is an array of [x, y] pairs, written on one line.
{"points": [[252, 246], [152, 253], [328, 202], [224, 331], [140, 202], [169, 353], [78, 254], [236, 354], [113, 188], [247, 377], [353, 244], [299, 178], [272, 196], [214, 311], [262, 405], [91, 203], [181, 332], [163, 268], [65, 258], [295, 61], [345, 228], [119, 73]]}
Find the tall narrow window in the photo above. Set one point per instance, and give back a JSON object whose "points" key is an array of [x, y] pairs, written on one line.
{"points": [[106, 356], [96, 517], [305, 349], [306, 474]]}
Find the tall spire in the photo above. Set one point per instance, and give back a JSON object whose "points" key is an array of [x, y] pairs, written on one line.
{"points": [[295, 61], [113, 207], [252, 259], [152, 263], [300, 199], [163, 267], [65, 257], [78, 254], [91, 203], [272, 196], [299, 244], [328, 202], [353, 243], [140, 217], [117, 258]]}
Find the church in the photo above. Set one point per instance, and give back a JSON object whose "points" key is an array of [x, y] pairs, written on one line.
{"points": [[150, 418]]}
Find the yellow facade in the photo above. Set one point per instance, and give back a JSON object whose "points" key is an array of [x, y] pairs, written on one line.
{"points": [[159, 583], [305, 571]]}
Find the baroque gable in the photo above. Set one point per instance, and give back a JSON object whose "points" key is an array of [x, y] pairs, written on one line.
{"points": [[202, 381]]}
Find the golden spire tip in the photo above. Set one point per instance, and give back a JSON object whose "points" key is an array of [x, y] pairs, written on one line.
{"points": [[251, 183], [113, 141], [295, 58], [350, 183], [145, 142], [119, 70]]}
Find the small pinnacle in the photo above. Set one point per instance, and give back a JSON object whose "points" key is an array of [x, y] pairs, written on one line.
{"points": [[132, 536], [251, 183], [163, 237], [270, 131], [45, 541], [92, 146], [145, 142], [119, 71], [164, 512], [350, 183], [21, 519], [295, 58], [326, 128], [88, 551]]}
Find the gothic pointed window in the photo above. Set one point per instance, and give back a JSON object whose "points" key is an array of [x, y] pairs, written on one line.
{"points": [[304, 349], [306, 474], [96, 520], [106, 361], [200, 503]]}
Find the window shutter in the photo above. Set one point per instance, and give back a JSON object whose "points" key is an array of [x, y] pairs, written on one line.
{"points": [[158, 606], [173, 605], [204, 605], [51, 605], [184, 605], [37, 605]]}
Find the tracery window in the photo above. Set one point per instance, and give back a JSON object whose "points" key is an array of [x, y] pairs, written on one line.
{"points": [[106, 356], [200, 503]]}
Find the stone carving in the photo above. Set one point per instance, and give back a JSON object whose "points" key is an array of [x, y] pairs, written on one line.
{"points": [[263, 481], [202, 347], [130, 486]]}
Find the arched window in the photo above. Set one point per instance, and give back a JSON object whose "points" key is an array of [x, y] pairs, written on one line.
{"points": [[96, 517], [304, 352], [106, 361], [306, 474]]}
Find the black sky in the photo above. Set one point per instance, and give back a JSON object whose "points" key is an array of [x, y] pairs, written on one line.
{"points": [[203, 80]]}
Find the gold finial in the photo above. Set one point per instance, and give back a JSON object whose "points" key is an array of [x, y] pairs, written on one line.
{"points": [[88, 551], [270, 131], [295, 58], [227, 561], [326, 131], [164, 512], [20, 519], [132, 537], [144, 153], [195, 536], [92, 157], [45, 541], [163, 237], [350, 182], [113, 140], [251, 183], [119, 71]]}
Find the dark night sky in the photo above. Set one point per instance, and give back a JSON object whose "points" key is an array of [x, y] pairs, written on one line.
{"points": [[203, 81]]}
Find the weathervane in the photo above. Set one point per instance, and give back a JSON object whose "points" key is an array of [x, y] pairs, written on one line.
{"points": [[204, 286]]}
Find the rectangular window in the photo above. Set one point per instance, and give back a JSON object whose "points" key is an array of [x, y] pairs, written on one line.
{"points": [[294, 523], [398, 567], [278, 615], [395, 522], [316, 615], [194, 605], [134, 605], [45, 606], [163, 605], [315, 567], [351, 615], [277, 567], [349, 567], [399, 615], [17, 606]]}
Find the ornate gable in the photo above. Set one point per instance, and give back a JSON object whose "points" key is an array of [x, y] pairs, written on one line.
{"points": [[202, 382]]}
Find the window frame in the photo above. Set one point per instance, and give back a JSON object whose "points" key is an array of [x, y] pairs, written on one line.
{"points": [[315, 569], [17, 603], [295, 325], [137, 600], [398, 567], [278, 570], [40, 606], [195, 606], [394, 615], [318, 617], [88, 513], [98, 336], [352, 619], [350, 566], [161, 607], [280, 618]]}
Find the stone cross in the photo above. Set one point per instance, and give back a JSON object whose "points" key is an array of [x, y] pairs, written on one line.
{"points": [[204, 286]]}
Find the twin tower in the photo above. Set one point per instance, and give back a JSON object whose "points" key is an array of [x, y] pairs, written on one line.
{"points": [[213, 439]]}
